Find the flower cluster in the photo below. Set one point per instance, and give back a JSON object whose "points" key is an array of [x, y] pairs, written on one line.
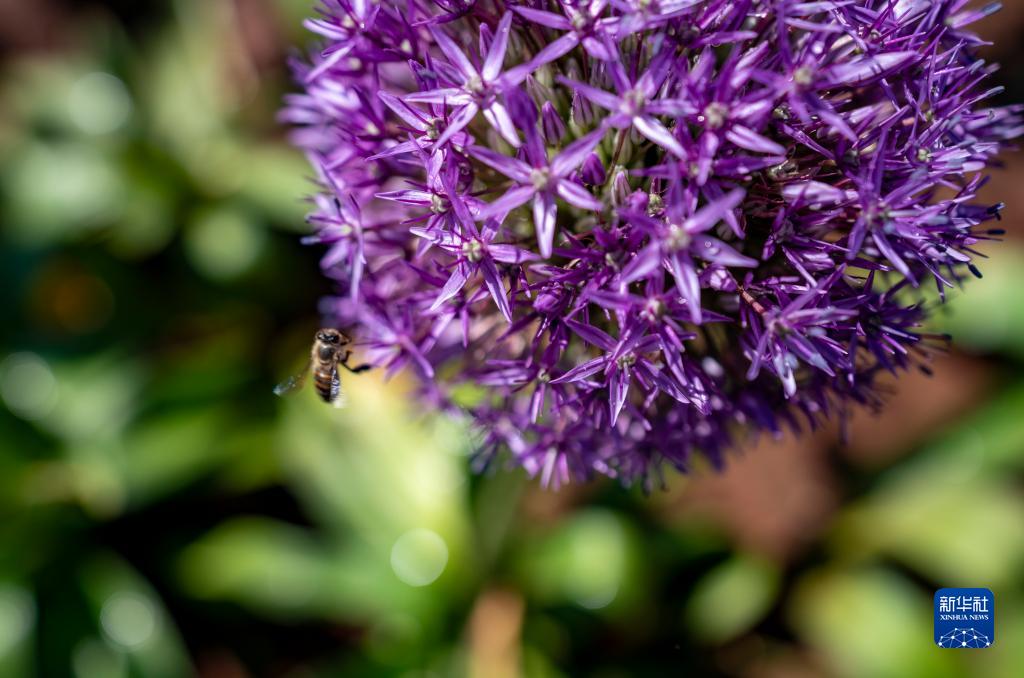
{"points": [[619, 233]]}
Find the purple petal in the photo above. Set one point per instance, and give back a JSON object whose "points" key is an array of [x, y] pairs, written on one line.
{"points": [[598, 49], [517, 74], [455, 55], [867, 67], [674, 107], [576, 195], [581, 372], [457, 123], [592, 335], [510, 167], [713, 249], [498, 116], [408, 196], [598, 96], [618, 390], [455, 283], [496, 55], [397, 149], [449, 95], [687, 282], [573, 155], [509, 254], [659, 134], [543, 18], [889, 253], [403, 111], [646, 262], [815, 192], [493, 281], [709, 215], [544, 221], [330, 61], [744, 137], [513, 198]]}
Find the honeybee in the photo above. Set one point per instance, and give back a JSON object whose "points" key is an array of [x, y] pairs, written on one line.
{"points": [[330, 351]]}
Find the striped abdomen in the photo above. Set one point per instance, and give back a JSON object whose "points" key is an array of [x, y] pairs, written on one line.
{"points": [[324, 377]]}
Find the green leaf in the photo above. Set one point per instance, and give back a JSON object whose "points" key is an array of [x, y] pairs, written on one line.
{"points": [[989, 314], [17, 629], [731, 598], [588, 560], [869, 623], [132, 620], [944, 514], [284, 571]]}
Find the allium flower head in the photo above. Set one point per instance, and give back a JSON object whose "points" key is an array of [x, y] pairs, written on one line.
{"points": [[621, 233]]}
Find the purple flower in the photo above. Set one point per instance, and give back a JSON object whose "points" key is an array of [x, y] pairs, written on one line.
{"points": [[634, 105], [676, 240], [541, 182], [475, 90], [339, 227], [424, 128], [638, 230], [584, 25], [474, 252]]}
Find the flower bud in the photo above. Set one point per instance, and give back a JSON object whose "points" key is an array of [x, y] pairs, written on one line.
{"points": [[551, 302], [521, 108], [551, 124], [538, 91], [620, 186], [593, 173], [582, 112]]}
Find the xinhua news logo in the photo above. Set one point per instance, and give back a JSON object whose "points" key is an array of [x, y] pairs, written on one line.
{"points": [[964, 618]]}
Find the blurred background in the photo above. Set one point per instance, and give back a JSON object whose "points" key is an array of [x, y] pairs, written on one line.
{"points": [[162, 514]]}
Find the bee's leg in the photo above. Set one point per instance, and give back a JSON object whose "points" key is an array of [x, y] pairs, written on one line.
{"points": [[354, 370]]}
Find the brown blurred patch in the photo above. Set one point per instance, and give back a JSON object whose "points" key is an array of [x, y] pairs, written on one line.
{"points": [[220, 664], [495, 627], [1004, 186], [547, 505], [32, 25], [919, 407], [786, 663], [1002, 28], [259, 26], [772, 499], [66, 297], [775, 497], [755, 656]]}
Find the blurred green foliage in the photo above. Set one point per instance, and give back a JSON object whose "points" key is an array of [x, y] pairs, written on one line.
{"points": [[161, 514]]}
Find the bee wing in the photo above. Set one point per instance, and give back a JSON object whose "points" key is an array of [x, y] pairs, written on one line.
{"points": [[292, 383], [338, 398]]}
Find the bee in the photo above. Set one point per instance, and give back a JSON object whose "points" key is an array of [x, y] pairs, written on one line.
{"points": [[330, 351]]}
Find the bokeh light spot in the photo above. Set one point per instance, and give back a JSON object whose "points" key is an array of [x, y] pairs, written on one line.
{"points": [[596, 553], [17, 616], [223, 244], [128, 619], [419, 557], [99, 103], [27, 386]]}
